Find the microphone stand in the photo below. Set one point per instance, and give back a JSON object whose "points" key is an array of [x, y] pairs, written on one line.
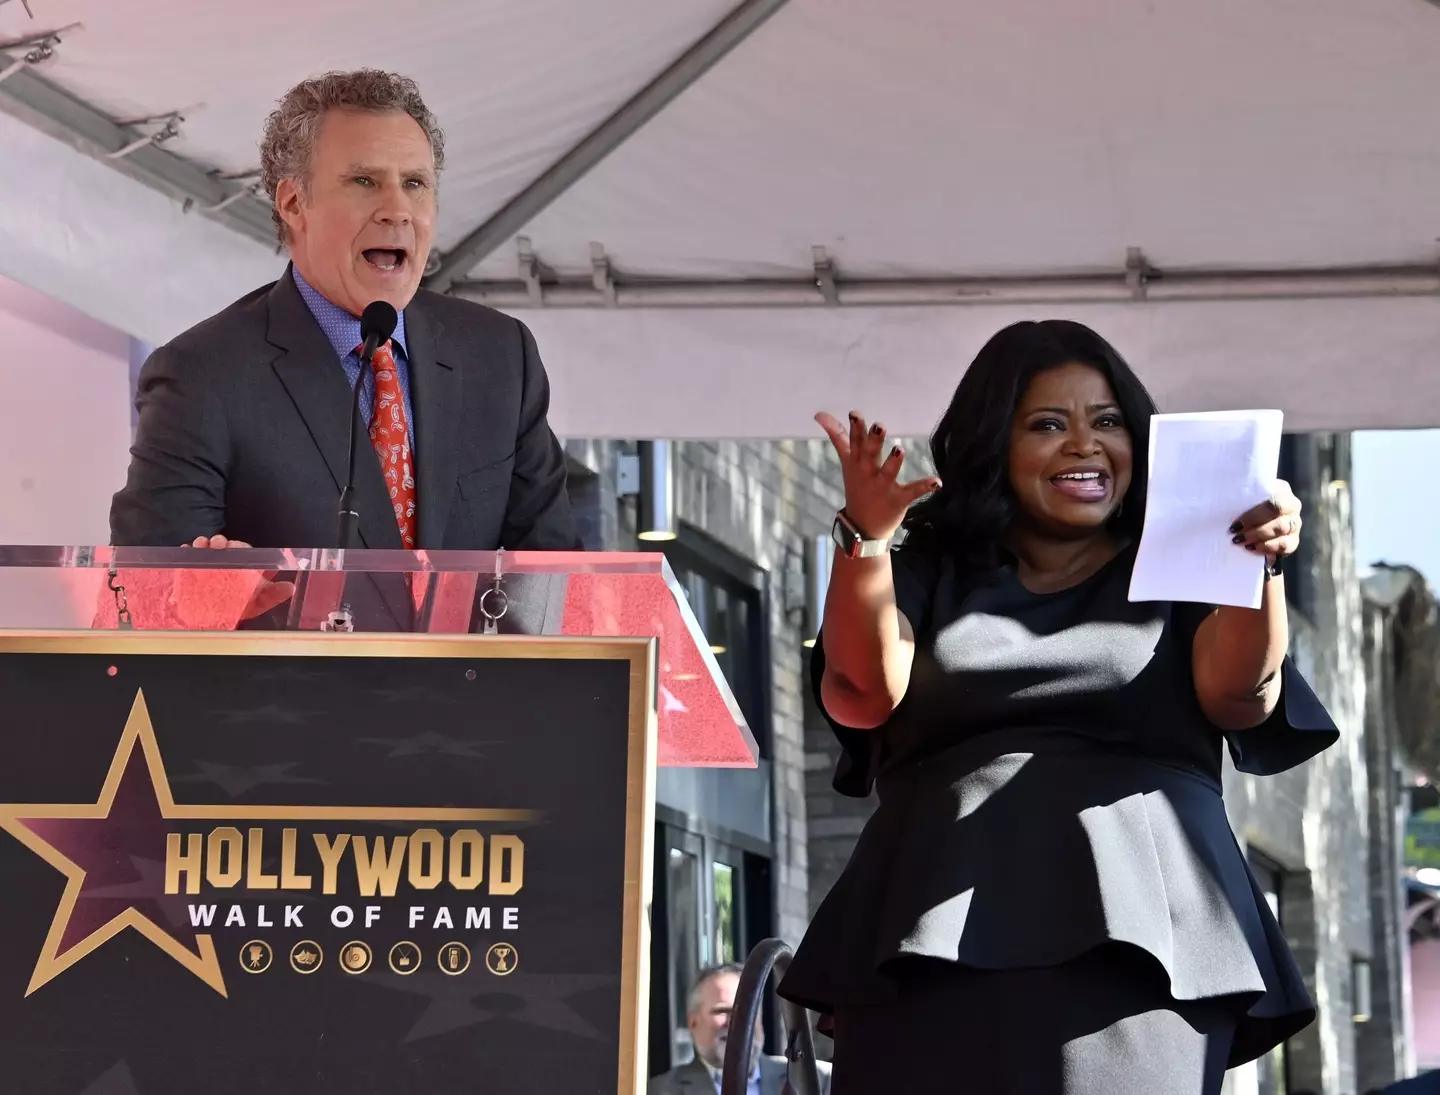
{"points": [[348, 519]]}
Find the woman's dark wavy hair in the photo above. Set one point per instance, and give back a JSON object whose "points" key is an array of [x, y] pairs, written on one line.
{"points": [[967, 517]]}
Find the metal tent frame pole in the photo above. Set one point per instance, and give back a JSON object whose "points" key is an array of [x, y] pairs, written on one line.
{"points": [[1118, 288], [743, 21], [130, 149]]}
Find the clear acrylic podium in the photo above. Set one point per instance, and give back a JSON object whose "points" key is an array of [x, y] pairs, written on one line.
{"points": [[512, 594], [331, 822]]}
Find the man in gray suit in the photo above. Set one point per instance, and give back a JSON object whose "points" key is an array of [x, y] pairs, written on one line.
{"points": [[244, 419], [708, 1007]]}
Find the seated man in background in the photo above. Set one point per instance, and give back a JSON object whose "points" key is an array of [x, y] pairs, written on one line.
{"points": [[707, 1010]]}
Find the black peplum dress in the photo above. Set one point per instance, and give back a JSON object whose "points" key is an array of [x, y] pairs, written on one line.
{"points": [[1049, 786]]}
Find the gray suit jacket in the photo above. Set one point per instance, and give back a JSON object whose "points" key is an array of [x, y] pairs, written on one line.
{"points": [[244, 428], [694, 1079]]}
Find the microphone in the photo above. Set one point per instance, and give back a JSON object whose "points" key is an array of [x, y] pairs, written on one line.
{"points": [[377, 324]]}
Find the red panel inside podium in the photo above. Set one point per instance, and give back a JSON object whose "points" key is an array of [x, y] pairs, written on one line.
{"points": [[697, 728]]}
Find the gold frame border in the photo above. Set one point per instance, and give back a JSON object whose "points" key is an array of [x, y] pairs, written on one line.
{"points": [[639, 856], [641, 741]]}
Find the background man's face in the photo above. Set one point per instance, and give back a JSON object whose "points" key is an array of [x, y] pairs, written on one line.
{"points": [[362, 229], [710, 1021]]}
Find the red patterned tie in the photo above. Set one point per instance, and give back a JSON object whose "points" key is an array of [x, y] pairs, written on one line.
{"points": [[390, 436]]}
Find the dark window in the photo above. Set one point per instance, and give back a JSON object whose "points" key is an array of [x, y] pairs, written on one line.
{"points": [[759, 905], [1299, 466], [727, 596], [662, 974], [759, 926]]}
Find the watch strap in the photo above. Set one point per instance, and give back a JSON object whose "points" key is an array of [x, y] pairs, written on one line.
{"points": [[869, 549]]}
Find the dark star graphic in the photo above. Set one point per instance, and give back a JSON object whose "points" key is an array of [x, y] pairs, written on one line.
{"points": [[236, 779], [431, 742], [116, 1081], [285, 673], [411, 693], [536, 999], [149, 884], [96, 845], [270, 712]]}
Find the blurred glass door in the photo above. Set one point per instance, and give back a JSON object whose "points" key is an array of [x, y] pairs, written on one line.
{"points": [[685, 903]]}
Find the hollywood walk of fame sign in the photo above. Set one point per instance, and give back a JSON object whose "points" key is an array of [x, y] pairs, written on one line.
{"points": [[213, 873]]}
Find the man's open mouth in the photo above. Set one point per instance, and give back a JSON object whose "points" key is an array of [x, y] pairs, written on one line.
{"points": [[385, 258]]}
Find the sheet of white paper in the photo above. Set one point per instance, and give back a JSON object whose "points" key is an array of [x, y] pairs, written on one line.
{"points": [[1206, 469]]}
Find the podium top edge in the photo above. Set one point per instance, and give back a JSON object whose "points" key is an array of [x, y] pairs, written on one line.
{"points": [[634, 649], [490, 563]]}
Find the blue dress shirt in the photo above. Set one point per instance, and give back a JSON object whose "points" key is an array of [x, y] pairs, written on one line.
{"points": [[343, 331]]}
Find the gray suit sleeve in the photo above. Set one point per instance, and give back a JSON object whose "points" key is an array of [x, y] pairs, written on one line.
{"points": [[175, 488], [537, 516]]}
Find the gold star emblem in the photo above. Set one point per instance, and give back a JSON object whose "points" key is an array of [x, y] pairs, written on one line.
{"points": [[65, 834]]}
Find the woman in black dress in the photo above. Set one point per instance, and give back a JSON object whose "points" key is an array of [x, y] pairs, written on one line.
{"points": [[1048, 897]]}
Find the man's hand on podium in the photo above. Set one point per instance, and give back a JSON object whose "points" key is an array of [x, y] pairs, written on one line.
{"points": [[268, 594]]}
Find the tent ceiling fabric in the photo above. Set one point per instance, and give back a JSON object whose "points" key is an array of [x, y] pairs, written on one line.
{"points": [[514, 85], [925, 137], [913, 138]]}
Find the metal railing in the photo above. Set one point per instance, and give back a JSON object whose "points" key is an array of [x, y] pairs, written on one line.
{"points": [[803, 1079]]}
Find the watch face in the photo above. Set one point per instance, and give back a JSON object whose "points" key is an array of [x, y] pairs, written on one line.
{"points": [[845, 535]]}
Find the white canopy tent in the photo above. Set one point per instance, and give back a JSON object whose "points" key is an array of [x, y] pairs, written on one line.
{"points": [[718, 219]]}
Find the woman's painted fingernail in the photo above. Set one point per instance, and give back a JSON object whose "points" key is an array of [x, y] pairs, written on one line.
{"points": [[876, 429], [1249, 547], [1238, 538], [1235, 527]]}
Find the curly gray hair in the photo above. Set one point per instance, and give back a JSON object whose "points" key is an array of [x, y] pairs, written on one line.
{"points": [[292, 127]]}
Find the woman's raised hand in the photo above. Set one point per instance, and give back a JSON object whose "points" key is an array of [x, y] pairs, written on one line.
{"points": [[875, 499]]}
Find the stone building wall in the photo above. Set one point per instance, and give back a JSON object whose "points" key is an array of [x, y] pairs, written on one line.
{"points": [[1386, 1045]]}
